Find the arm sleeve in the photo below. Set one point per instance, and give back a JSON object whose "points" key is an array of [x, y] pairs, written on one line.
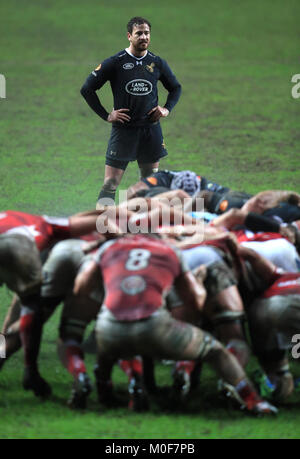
{"points": [[171, 84], [94, 82], [256, 222]]}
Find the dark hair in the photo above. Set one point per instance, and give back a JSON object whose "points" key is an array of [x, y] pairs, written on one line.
{"points": [[137, 20]]}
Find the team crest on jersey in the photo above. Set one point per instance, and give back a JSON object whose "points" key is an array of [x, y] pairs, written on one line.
{"points": [[128, 66], [150, 67], [139, 87], [132, 285]]}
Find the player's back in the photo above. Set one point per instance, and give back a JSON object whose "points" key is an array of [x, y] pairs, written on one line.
{"points": [[137, 271], [41, 229]]}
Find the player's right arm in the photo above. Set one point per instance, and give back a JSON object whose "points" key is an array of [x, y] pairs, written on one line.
{"points": [[87, 279], [95, 81], [190, 287]]}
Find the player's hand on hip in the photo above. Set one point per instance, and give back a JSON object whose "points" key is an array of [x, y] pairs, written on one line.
{"points": [[158, 112], [119, 116]]}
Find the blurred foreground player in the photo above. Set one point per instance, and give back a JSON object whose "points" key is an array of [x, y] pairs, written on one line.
{"points": [[23, 239], [138, 271]]}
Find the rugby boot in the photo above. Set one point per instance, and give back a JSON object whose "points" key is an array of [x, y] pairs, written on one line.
{"points": [[184, 377], [32, 380], [263, 385], [138, 398], [82, 387], [181, 384], [246, 399], [278, 391]]}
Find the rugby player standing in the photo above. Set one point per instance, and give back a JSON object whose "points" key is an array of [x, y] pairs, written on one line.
{"points": [[136, 133]]}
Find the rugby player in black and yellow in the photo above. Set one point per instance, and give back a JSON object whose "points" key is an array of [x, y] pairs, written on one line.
{"points": [[136, 134]]}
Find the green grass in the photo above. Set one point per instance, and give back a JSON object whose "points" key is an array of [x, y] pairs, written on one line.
{"points": [[236, 123]]}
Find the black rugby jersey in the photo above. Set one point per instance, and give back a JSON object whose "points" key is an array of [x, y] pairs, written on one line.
{"points": [[133, 82]]}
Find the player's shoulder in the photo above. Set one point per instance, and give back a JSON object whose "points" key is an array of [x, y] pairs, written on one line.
{"points": [[115, 58], [154, 57]]}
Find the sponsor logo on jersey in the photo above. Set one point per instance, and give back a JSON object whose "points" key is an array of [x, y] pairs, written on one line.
{"points": [[150, 67], [152, 180], [132, 285], [139, 87], [128, 66], [223, 205]]}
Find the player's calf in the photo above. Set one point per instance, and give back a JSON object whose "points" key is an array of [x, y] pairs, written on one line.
{"points": [[234, 381]]}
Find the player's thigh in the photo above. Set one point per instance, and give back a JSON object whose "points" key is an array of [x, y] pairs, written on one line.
{"points": [[20, 264], [123, 145], [151, 147], [222, 292], [80, 308], [159, 336]]}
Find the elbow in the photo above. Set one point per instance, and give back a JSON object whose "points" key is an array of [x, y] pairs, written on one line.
{"points": [[179, 89], [84, 91]]}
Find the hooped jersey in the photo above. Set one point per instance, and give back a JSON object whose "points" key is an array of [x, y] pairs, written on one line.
{"points": [[42, 229], [286, 284], [133, 82], [138, 271]]}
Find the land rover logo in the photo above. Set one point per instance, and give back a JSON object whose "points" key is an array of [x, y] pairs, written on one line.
{"points": [[128, 66], [139, 87]]}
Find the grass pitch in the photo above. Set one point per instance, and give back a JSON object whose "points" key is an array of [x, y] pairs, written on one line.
{"points": [[236, 123]]}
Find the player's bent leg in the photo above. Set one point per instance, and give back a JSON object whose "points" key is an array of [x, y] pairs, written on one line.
{"points": [[138, 399], [226, 311], [112, 179], [30, 332], [147, 169], [77, 314], [267, 317], [102, 372]]}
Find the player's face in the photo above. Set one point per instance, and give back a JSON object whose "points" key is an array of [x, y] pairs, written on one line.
{"points": [[140, 37]]}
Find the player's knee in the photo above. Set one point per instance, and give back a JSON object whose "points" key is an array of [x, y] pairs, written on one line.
{"points": [[110, 184], [72, 329], [209, 345], [213, 349], [145, 171], [228, 318]]}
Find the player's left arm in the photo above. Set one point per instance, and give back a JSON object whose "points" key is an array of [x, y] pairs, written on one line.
{"points": [[84, 224], [173, 87], [264, 268]]}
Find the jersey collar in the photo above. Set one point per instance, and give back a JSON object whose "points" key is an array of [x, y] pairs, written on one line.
{"points": [[137, 58]]}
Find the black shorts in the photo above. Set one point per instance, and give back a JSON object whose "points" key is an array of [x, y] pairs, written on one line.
{"points": [[144, 144]]}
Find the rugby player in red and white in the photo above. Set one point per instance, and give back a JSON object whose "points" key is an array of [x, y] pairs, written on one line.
{"points": [[138, 271], [23, 240]]}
